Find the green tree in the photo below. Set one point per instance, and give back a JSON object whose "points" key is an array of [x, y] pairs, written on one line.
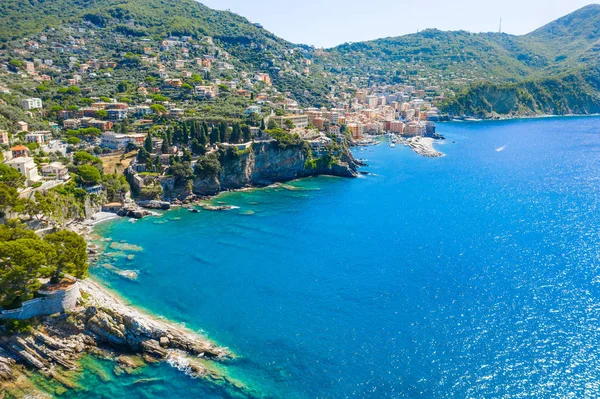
{"points": [[289, 125], [148, 144], [246, 133], [115, 186], [22, 262], [198, 148], [70, 254], [236, 133], [85, 158], [181, 172], [11, 177], [207, 166], [89, 175], [164, 148], [123, 86], [223, 130], [214, 135], [158, 109], [101, 114]]}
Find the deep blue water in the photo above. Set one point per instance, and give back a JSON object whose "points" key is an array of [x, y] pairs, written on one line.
{"points": [[472, 275]]}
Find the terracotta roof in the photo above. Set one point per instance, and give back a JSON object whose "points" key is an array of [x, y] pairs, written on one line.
{"points": [[19, 148]]}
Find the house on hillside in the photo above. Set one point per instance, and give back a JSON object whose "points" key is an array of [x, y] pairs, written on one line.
{"points": [[27, 167]]}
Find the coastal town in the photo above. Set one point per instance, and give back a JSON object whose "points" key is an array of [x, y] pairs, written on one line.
{"points": [[87, 135], [183, 76]]}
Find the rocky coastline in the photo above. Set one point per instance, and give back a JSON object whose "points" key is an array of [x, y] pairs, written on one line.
{"points": [[103, 325]]}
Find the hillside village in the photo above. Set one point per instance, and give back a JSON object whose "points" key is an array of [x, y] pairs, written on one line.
{"points": [[169, 107]]}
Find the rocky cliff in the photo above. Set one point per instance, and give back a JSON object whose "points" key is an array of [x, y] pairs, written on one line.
{"points": [[105, 327], [265, 163]]}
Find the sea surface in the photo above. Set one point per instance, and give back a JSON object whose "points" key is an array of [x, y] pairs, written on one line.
{"points": [[472, 275]]}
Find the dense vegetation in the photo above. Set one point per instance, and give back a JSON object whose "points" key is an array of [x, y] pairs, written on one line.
{"points": [[574, 93], [25, 258]]}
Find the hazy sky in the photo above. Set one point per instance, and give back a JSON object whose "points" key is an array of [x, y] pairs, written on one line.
{"points": [[331, 22]]}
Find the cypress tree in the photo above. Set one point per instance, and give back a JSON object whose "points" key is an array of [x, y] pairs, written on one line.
{"points": [[184, 134], [214, 135], [203, 139], [246, 133], [165, 146], [223, 132], [148, 143], [236, 134]]}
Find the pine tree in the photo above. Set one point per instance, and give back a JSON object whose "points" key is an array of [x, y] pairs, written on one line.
{"points": [[262, 125]]}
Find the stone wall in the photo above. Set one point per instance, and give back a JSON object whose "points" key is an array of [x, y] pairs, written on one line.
{"points": [[49, 303]]}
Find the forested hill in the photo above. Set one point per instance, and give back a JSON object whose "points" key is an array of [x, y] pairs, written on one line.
{"points": [[251, 47], [143, 17], [560, 57]]}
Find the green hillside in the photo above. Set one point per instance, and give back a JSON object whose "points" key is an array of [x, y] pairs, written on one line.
{"points": [[252, 48], [452, 62]]}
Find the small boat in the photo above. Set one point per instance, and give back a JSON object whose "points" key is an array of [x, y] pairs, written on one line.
{"points": [[193, 210], [392, 145]]}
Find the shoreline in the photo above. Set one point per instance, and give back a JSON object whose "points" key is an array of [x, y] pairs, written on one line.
{"points": [[501, 118], [106, 326]]}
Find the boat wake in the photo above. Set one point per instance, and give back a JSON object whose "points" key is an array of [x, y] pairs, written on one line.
{"points": [[500, 149]]}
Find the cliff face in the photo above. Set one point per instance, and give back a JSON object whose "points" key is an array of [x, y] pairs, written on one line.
{"points": [[576, 93], [267, 163]]}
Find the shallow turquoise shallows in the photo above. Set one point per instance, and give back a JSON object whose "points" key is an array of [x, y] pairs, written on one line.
{"points": [[472, 275]]}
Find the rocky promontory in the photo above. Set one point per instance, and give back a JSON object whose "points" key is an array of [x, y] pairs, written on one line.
{"points": [[102, 325]]}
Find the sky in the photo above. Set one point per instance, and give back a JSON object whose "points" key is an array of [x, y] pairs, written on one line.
{"points": [[327, 23]]}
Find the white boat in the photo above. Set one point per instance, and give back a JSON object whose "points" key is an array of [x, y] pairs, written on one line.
{"points": [[392, 145]]}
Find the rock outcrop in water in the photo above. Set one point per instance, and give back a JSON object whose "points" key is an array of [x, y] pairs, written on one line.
{"points": [[265, 163], [102, 325]]}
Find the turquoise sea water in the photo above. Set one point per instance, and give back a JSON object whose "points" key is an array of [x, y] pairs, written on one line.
{"points": [[472, 275]]}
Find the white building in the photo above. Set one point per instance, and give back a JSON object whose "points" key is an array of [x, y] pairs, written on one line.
{"points": [[31, 103], [27, 167], [118, 141]]}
